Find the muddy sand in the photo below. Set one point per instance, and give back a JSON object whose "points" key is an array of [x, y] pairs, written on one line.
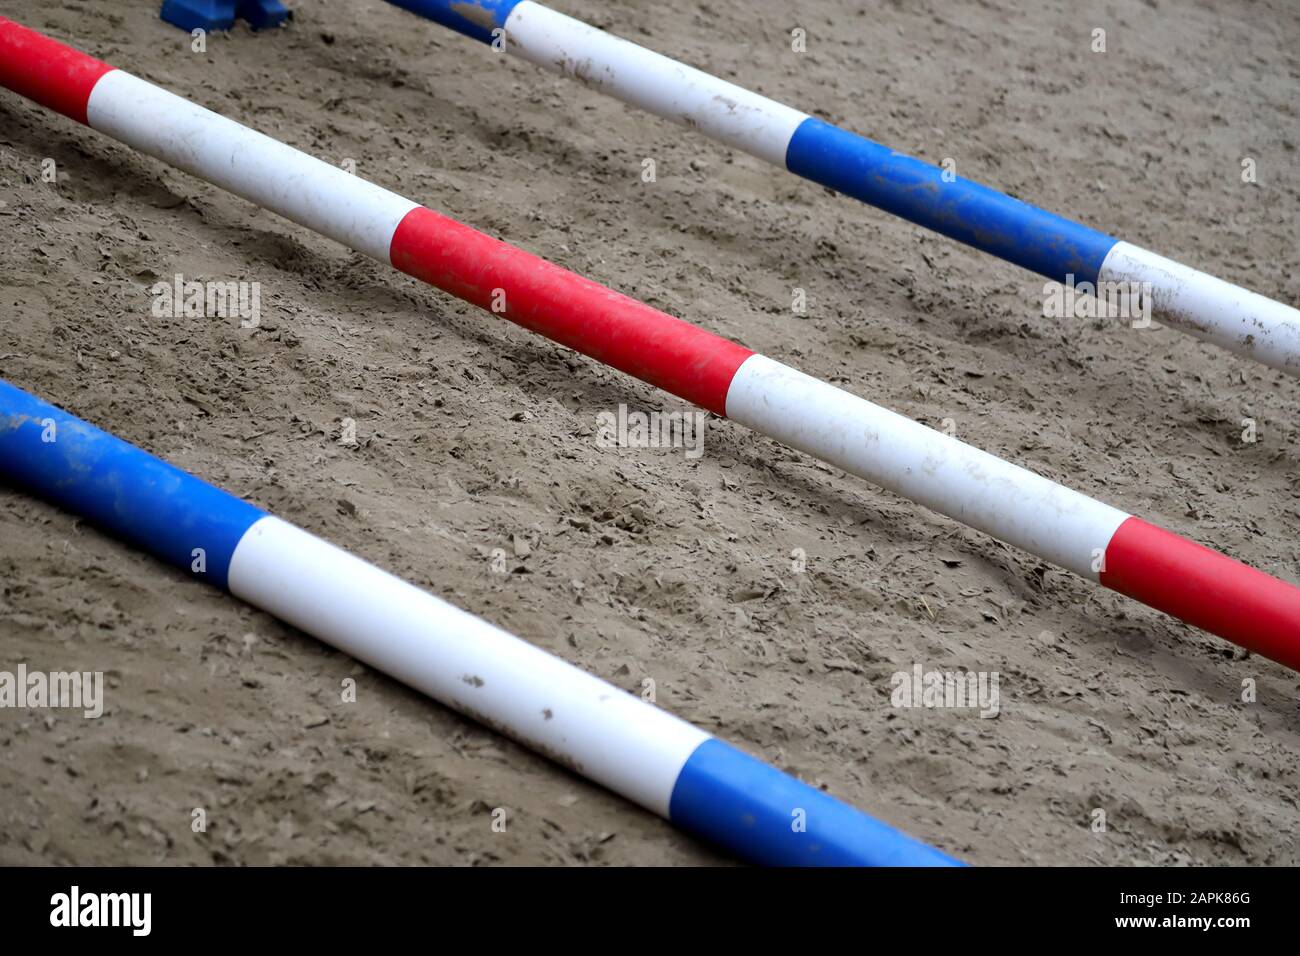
{"points": [[476, 441]]}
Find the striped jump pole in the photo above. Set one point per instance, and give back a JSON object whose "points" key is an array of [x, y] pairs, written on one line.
{"points": [[614, 738], [1184, 298], [1065, 527]]}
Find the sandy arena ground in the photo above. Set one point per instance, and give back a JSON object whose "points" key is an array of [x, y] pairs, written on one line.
{"points": [[474, 435]]}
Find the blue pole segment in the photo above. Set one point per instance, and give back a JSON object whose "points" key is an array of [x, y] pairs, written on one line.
{"points": [[756, 811], [474, 18], [128, 492], [222, 14], [963, 210]]}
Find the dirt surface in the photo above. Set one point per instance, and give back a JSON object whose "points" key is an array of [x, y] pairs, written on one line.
{"points": [[473, 435]]}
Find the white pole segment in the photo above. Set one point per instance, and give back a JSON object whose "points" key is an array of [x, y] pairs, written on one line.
{"points": [[576, 719], [271, 174], [1009, 502], [1234, 318], [643, 78]]}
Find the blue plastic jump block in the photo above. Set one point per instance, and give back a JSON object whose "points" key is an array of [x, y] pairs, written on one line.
{"points": [[221, 14]]}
